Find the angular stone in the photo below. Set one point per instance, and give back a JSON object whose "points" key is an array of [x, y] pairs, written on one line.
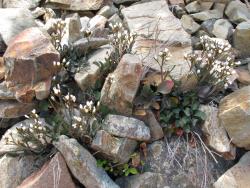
{"points": [[14, 109], [2, 45], [31, 51], [127, 127], [2, 68], [193, 7], [206, 5], [243, 76], [115, 19], [53, 174], [11, 148], [121, 86], [176, 2], [237, 12], [29, 4], [88, 76], [107, 11], [235, 117], [222, 28], [237, 176], [97, 24], [208, 26], [39, 11], [84, 22], [216, 134], [208, 14], [219, 6], [113, 148], [147, 179], [14, 169], [124, 1], [13, 21], [5, 93], [76, 5], [82, 164], [241, 39], [158, 29], [189, 24]]}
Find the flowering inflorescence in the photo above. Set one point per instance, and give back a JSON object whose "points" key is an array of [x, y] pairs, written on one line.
{"points": [[58, 33], [215, 64]]}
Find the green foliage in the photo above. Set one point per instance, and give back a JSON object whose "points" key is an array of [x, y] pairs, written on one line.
{"points": [[181, 111]]}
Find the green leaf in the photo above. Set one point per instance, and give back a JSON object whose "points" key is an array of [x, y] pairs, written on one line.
{"points": [[186, 128], [165, 87], [195, 106], [200, 115], [43, 105], [187, 111], [133, 171]]}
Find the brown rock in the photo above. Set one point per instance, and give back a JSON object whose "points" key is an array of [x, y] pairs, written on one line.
{"points": [[243, 76], [121, 86], [5, 93], [29, 63], [2, 69], [176, 2], [53, 174]]}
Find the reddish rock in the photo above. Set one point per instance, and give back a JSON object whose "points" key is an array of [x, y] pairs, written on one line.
{"points": [[28, 64], [54, 174]]}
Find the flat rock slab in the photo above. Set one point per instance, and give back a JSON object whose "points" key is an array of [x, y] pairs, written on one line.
{"points": [[157, 28], [127, 127], [53, 174]]}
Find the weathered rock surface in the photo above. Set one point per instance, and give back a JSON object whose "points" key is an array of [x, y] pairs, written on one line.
{"points": [[30, 52], [127, 127], [157, 29], [88, 76], [124, 1], [208, 14], [114, 148], [82, 164], [77, 5], [222, 28], [243, 76], [53, 174], [15, 169], [237, 12], [107, 11], [5, 93], [21, 3], [14, 109], [241, 38], [237, 176], [193, 7], [2, 68], [216, 134], [121, 86], [13, 21], [235, 117], [97, 24], [189, 24]]}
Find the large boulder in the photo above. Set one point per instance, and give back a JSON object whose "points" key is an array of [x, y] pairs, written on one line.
{"points": [[222, 28], [29, 65], [13, 21], [121, 86], [207, 15], [157, 28], [189, 24], [234, 115], [82, 164], [241, 38], [237, 12], [54, 173], [29, 4]]}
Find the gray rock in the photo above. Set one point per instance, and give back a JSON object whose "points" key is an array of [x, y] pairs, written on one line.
{"points": [[189, 24], [222, 29], [5, 93], [82, 164], [2, 45], [15, 169], [107, 11], [208, 14], [29, 4], [241, 38], [39, 11], [124, 1], [88, 76], [219, 6], [193, 7], [208, 26], [13, 21], [84, 22], [97, 24], [127, 127], [113, 148], [115, 19], [206, 5], [237, 12], [157, 29], [147, 179]]}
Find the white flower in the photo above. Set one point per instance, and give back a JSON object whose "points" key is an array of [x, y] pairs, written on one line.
{"points": [[198, 71], [79, 119]]}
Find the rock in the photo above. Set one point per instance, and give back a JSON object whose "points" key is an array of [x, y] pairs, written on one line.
{"points": [[157, 28], [53, 174], [234, 116], [208, 26], [76, 5], [39, 11], [222, 28], [2, 69], [83, 45], [179, 11], [82, 164], [176, 2], [206, 5], [113, 148], [193, 7], [189, 24], [107, 11], [5, 93], [29, 4], [216, 134], [124, 1], [84, 22], [72, 29], [220, 6], [11, 148], [13, 21], [147, 179], [115, 19], [14, 109], [237, 12], [97, 24], [208, 14], [127, 127], [241, 37], [237, 176], [15, 169], [88, 76], [243, 76], [34, 57], [2, 45], [121, 86]]}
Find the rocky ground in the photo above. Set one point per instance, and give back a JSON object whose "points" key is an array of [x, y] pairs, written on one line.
{"points": [[124, 93]]}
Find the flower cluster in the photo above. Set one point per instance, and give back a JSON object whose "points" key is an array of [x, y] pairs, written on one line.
{"points": [[88, 108], [58, 33], [215, 64]]}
